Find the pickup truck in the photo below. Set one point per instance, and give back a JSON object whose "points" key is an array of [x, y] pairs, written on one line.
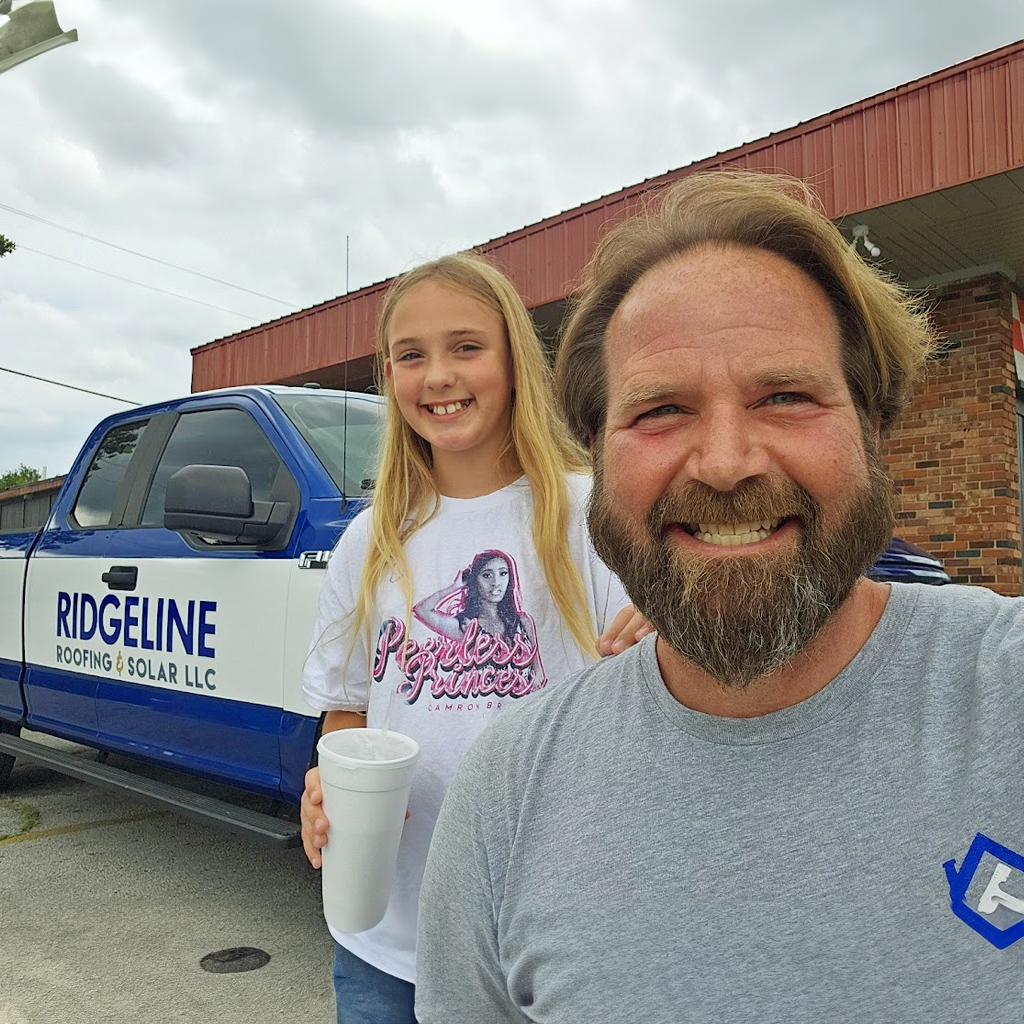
{"points": [[165, 609]]}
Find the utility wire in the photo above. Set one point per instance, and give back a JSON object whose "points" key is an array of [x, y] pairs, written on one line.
{"points": [[151, 287], [93, 238], [72, 387]]}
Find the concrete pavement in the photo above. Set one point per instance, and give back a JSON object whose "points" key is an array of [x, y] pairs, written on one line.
{"points": [[108, 904]]}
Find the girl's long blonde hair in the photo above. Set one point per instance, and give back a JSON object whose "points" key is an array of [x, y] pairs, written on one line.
{"points": [[405, 496]]}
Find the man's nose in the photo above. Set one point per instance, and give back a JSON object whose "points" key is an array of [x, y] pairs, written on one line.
{"points": [[726, 449]]}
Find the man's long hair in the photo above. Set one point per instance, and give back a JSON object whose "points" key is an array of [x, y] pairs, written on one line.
{"points": [[885, 333]]}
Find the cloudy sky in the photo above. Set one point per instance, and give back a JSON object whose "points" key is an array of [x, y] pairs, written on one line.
{"points": [[237, 143]]}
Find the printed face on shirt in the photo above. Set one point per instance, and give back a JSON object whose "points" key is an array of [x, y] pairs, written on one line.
{"points": [[738, 495], [492, 580], [483, 643], [449, 367]]}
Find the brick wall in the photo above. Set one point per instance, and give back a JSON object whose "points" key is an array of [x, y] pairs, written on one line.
{"points": [[954, 453]]}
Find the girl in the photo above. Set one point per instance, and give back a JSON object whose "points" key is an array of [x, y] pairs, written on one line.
{"points": [[476, 464]]}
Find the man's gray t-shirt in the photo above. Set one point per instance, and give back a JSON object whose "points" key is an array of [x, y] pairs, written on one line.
{"points": [[607, 855]]}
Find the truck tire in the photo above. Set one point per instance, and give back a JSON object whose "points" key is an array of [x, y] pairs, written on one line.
{"points": [[7, 760]]}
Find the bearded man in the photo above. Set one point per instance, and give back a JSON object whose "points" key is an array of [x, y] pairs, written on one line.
{"points": [[803, 799]]}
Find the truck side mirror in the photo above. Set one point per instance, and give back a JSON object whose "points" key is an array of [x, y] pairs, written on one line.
{"points": [[216, 503]]}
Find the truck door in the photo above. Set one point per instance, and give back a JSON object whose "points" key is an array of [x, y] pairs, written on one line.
{"points": [[66, 617]]}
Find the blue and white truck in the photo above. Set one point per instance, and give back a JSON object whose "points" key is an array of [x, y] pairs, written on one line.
{"points": [[164, 610]]}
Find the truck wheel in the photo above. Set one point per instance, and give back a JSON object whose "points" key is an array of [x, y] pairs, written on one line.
{"points": [[7, 760]]}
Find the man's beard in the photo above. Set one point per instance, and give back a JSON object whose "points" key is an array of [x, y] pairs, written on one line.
{"points": [[741, 617]]}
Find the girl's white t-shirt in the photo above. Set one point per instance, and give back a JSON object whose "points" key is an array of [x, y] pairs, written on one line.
{"points": [[444, 687]]}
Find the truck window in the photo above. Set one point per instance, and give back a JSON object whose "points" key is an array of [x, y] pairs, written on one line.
{"points": [[215, 437], [100, 493], [346, 442]]}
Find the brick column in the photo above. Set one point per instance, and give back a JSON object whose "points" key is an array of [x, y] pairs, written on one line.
{"points": [[953, 455]]}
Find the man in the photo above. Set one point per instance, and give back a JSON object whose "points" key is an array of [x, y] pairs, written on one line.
{"points": [[803, 800]]}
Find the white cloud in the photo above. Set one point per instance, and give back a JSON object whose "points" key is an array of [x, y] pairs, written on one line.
{"points": [[247, 141]]}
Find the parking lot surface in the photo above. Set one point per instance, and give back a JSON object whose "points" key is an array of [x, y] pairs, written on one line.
{"points": [[109, 904]]}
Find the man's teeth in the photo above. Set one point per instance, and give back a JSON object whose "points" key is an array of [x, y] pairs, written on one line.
{"points": [[734, 534], [447, 410]]}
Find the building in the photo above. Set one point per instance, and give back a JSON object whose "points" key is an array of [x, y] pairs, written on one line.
{"points": [[28, 507], [927, 178]]}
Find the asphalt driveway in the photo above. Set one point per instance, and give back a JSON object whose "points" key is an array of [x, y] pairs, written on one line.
{"points": [[110, 904]]}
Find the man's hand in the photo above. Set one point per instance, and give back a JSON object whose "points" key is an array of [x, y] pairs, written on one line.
{"points": [[311, 814], [627, 628]]}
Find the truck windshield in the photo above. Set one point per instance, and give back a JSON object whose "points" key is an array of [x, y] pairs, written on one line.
{"points": [[345, 442]]}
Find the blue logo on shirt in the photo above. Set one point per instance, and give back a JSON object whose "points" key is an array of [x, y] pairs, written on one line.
{"points": [[987, 892]]}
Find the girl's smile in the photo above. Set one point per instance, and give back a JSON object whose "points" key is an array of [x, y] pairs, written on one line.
{"points": [[449, 408]]}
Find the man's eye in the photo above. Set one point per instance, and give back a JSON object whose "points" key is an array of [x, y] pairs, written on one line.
{"points": [[658, 411], [787, 398]]}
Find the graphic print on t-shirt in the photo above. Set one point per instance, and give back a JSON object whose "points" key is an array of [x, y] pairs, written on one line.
{"points": [[485, 644], [987, 892]]}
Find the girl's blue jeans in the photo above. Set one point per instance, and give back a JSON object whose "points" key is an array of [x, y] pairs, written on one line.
{"points": [[366, 995]]}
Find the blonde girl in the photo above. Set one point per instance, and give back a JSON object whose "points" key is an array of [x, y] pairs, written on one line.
{"points": [[475, 460]]}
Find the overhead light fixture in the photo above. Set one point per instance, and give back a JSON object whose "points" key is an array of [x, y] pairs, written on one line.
{"points": [[860, 234], [31, 29]]}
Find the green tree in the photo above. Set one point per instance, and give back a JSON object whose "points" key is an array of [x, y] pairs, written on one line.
{"points": [[16, 477], [6, 245]]}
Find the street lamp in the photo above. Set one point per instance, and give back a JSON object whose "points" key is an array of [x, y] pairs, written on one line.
{"points": [[30, 30]]}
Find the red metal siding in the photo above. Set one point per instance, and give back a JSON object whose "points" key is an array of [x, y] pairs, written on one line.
{"points": [[958, 125], [294, 346]]}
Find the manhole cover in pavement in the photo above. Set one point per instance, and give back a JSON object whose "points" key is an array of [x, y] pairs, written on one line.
{"points": [[234, 961]]}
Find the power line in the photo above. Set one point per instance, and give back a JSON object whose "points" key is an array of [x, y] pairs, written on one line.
{"points": [[151, 287], [72, 387], [133, 252]]}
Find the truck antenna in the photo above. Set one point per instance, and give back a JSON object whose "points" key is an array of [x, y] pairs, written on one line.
{"points": [[344, 429]]}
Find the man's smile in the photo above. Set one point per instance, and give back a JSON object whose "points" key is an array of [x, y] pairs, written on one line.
{"points": [[733, 534]]}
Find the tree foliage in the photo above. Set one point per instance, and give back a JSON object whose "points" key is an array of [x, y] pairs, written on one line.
{"points": [[17, 477], [6, 245]]}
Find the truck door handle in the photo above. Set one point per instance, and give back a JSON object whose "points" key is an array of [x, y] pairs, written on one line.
{"points": [[121, 577]]}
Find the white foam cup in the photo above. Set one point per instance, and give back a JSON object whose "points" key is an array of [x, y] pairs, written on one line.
{"points": [[365, 780]]}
